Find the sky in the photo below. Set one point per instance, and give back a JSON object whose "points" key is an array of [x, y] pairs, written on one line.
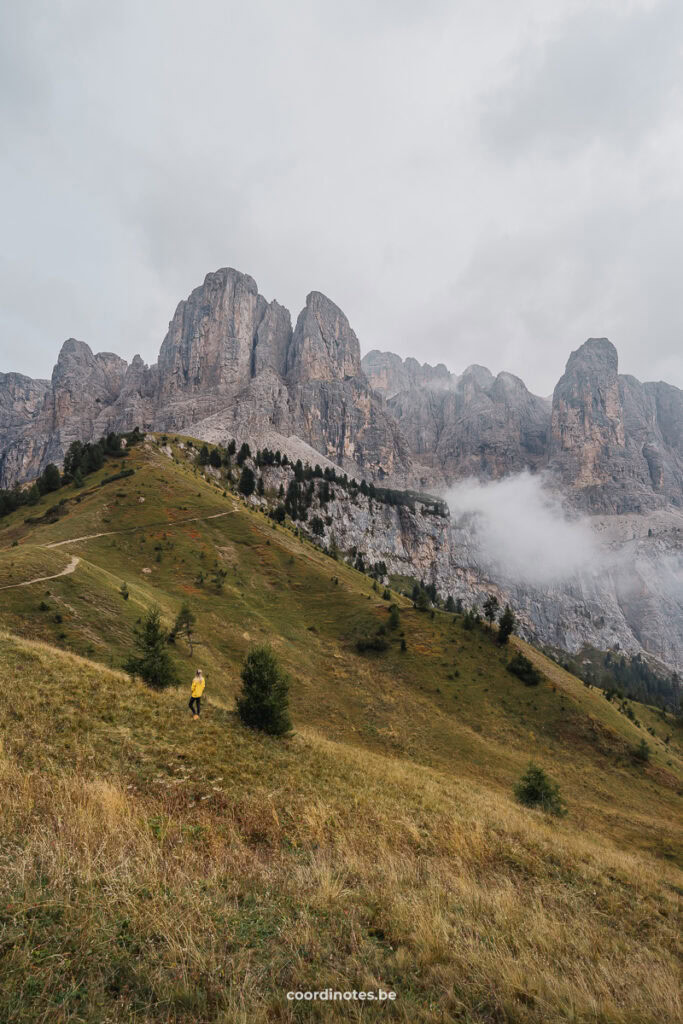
{"points": [[469, 180]]}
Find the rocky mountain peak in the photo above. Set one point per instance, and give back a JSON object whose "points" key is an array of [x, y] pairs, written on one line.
{"points": [[596, 355], [479, 375], [324, 346]]}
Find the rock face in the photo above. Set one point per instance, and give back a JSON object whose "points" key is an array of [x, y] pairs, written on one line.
{"points": [[21, 399], [229, 366], [232, 366], [389, 374], [615, 443], [480, 426]]}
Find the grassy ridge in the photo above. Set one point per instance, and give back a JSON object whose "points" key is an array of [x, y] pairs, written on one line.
{"points": [[185, 872]]}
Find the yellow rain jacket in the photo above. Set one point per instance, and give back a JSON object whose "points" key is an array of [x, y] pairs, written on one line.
{"points": [[198, 684]]}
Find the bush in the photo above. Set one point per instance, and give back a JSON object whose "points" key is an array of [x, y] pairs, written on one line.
{"points": [[116, 476], [521, 667], [378, 642], [642, 752], [263, 702], [536, 789], [317, 526]]}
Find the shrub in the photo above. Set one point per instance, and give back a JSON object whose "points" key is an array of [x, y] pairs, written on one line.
{"points": [[642, 752], [116, 476], [263, 702], [394, 617], [124, 592], [386, 594], [317, 526], [520, 666], [536, 789], [378, 642]]}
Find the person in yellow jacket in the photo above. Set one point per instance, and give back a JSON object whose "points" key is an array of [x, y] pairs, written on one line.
{"points": [[198, 684]]}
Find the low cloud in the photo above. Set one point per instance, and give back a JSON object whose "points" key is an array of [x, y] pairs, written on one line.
{"points": [[520, 530]]}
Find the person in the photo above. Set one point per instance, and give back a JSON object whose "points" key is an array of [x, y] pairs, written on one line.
{"points": [[198, 684]]}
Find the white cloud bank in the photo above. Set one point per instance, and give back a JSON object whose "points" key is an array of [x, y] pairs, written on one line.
{"points": [[522, 531]]}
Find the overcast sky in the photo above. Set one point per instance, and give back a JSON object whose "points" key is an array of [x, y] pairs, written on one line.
{"points": [[470, 180]]}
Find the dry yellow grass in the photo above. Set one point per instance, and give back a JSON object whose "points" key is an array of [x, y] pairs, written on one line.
{"points": [[171, 878]]}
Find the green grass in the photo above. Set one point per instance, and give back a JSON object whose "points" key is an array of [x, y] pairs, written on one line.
{"points": [[381, 842]]}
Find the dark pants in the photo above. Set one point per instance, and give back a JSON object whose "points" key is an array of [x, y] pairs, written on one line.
{"points": [[194, 704]]}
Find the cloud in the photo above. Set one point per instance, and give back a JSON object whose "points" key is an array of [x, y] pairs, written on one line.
{"points": [[607, 76], [443, 171], [521, 531]]}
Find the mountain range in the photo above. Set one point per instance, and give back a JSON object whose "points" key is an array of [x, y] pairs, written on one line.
{"points": [[233, 365]]}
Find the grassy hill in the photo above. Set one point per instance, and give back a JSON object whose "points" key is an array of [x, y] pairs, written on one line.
{"points": [[155, 868]]}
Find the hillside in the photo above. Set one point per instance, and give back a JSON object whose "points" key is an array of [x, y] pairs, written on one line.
{"points": [[160, 869]]}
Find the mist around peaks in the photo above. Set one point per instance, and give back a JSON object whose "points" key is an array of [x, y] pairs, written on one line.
{"points": [[520, 529]]}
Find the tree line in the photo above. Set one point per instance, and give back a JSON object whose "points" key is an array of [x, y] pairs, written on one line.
{"points": [[81, 459]]}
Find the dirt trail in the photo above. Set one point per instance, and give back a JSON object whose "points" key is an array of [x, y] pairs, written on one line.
{"points": [[41, 579], [146, 526], [108, 533]]}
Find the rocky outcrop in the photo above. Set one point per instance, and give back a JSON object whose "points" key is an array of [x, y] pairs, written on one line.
{"points": [[389, 374], [323, 346], [477, 425], [230, 365], [21, 399], [614, 442]]}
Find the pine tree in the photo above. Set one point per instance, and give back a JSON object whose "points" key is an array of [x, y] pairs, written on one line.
{"points": [[204, 455], [247, 482], [243, 454], [50, 479], [642, 751], [152, 663], [263, 701], [215, 459], [450, 603], [506, 625], [491, 608], [536, 789]]}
